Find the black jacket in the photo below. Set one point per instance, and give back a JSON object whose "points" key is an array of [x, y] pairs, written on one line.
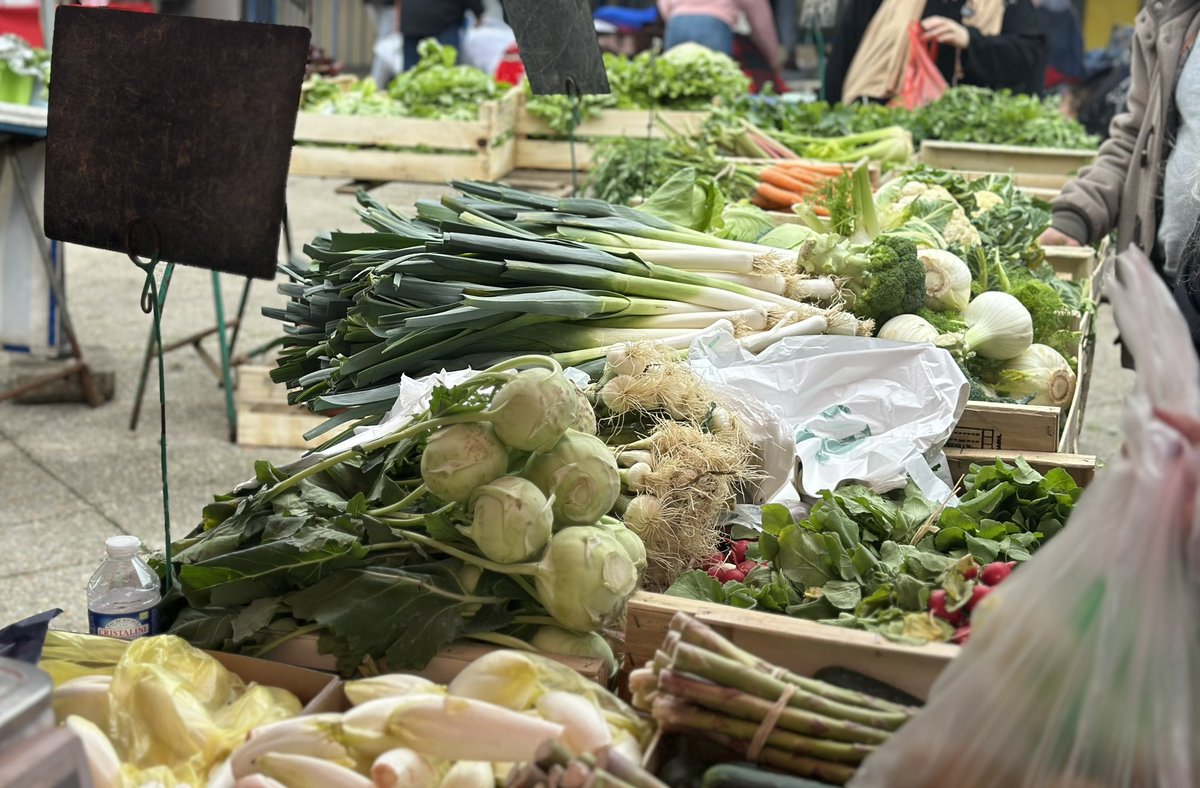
{"points": [[434, 17], [1014, 59]]}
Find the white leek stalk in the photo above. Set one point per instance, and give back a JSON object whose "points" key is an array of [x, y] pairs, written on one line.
{"points": [[998, 326], [103, 763], [304, 771], [584, 727], [390, 685], [909, 328], [1040, 371], [403, 768], [469, 774], [947, 280], [461, 729]]}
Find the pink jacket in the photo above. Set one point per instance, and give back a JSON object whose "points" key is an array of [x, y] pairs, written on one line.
{"points": [[758, 14]]}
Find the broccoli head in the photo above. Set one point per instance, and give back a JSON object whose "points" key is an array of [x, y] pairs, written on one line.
{"points": [[890, 282]]}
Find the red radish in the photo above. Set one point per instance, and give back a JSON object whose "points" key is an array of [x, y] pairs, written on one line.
{"points": [[716, 559], [961, 634], [746, 567], [739, 549], [937, 604], [996, 573], [726, 572], [971, 572], [978, 594]]}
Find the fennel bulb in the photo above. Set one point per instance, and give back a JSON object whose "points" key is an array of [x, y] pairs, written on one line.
{"points": [[1040, 371], [909, 328], [998, 326], [947, 280]]}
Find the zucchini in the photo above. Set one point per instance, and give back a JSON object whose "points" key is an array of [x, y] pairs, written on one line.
{"points": [[745, 775], [860, 682]]}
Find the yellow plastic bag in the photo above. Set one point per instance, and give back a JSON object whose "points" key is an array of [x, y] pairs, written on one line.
{"points": [[68, 655]]}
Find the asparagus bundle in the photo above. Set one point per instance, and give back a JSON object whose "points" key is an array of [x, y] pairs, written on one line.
{"points": [[556, 767], [703, 685], [496, 272]]}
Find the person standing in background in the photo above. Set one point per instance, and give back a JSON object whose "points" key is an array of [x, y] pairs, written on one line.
{"points": [[789, 31], [440, 19], [710, 23], [1143, 183], [990, 43], [384, 65]]}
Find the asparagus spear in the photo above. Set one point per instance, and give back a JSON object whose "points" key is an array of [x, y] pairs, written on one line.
{"points": [[728, 673], [690, 630], [815, 728]]}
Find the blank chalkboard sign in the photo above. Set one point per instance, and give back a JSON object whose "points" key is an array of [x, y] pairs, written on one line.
{"points": [[169, 137]]}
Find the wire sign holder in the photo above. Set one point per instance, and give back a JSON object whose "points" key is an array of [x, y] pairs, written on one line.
{"points": [[169, 140]]}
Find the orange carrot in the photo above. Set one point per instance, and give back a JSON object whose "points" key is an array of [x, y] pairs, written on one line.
{"points": [[777, 196], [785, 181]]}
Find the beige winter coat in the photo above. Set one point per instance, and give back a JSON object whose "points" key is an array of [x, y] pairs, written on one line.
{"points": [[1123, 188]]}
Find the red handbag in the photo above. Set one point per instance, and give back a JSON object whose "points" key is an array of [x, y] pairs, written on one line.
{"points": [[923, 82]]}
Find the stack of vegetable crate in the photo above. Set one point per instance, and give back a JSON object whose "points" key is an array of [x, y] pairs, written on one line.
{"points": [[1041, 172], [431, 151], [264, 417], [538, 147], [1046, 436]]}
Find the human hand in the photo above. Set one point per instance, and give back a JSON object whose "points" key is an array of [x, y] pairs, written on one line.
{"points": [[1054, 237], [946, 31]]}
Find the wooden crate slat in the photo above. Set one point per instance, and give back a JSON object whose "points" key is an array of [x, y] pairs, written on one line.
{"points": [[1073, 263], [400, 132], [1082, 467], [379, 165], [994, 425], [616, 123], [276, 427], [443, 668], [552, 155], [800, 646], [974, 157]]}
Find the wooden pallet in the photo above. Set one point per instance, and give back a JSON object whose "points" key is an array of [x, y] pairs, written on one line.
{"points": [[541, 148], [264, 418], [1027, 162], [803, 647], [482, 149]]}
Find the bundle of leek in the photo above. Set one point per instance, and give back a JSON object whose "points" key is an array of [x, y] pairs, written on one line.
{"points": [[495, 272]]}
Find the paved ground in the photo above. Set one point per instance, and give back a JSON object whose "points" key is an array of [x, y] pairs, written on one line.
{"points": [[71, 476]]}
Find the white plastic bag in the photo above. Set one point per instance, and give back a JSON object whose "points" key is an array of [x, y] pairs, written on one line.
{"points": [[1083, 669], [863, 410]]}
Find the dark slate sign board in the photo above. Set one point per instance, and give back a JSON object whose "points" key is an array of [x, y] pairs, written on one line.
{"points": [[557, 40], [170, 136]]}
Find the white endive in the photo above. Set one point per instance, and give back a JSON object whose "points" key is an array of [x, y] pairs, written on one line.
{"points": [[365, 727], [317, 735], [584, 727], [403, 768], [505, 678], [998, 326], [257, 781], [103, 762], [304, 771], [86, 696], [1040, 371], [908, 328], [461, 729], [469, 774], [947, 280], [389, 685]]}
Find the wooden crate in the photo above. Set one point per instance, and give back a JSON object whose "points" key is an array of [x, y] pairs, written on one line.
{"points": [[481, 149], [988, 426], [541, 148], [801, 646], [1074, 263], [302, 652], [1082, 467], [1005, 159], [264, 418]]}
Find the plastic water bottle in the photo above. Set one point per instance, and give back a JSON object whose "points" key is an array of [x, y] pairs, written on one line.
{"points": [[123, 594]]}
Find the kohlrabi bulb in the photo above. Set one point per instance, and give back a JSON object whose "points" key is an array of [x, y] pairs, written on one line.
{"points": [[581, 474], [585, 578], [460, 458], [511, 521], [556, 640], [533, 410], [634, 547]]}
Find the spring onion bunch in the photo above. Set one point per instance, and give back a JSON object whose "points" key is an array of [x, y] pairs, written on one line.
{"points": [[494, 273]]}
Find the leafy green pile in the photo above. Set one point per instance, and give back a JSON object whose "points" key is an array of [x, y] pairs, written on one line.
{"points": [[962, 114], [630, 168], [686, 77], [869, 561], [434, 88]]}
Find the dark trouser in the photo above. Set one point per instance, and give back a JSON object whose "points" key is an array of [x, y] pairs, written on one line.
{"points": [[451, 37]]}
